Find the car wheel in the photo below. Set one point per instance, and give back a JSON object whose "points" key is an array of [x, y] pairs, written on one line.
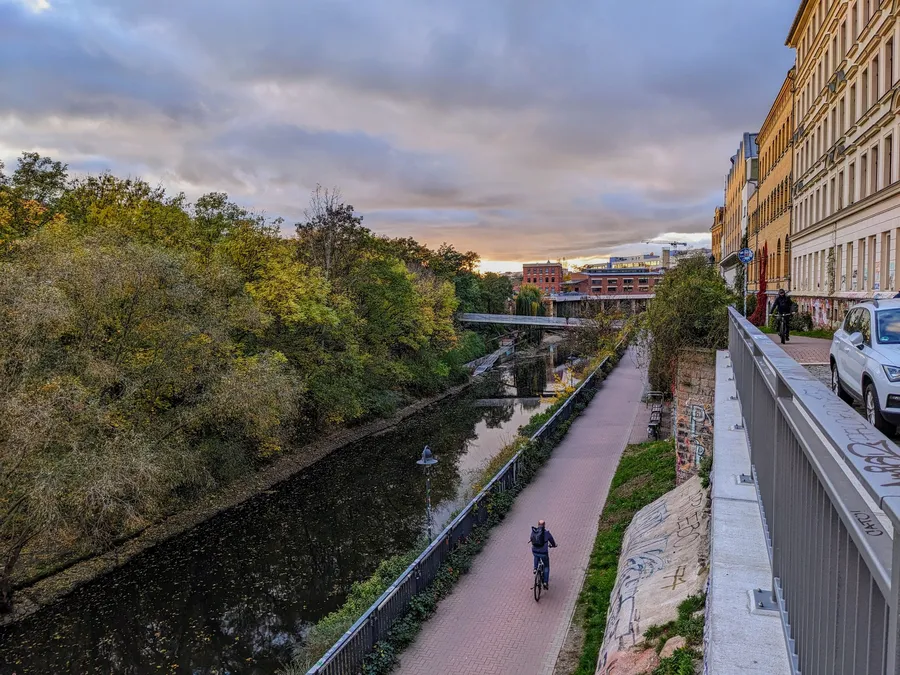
{"points": [[873, 411], [837, 387]]}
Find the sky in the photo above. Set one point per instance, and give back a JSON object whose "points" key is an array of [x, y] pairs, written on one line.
{"points": [[522, 130]]}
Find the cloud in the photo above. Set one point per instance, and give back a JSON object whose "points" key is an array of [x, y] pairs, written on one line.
{"points": [[515, 128]]}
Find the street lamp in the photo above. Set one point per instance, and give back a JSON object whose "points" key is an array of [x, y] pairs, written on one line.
{"points": [[427, 462]]}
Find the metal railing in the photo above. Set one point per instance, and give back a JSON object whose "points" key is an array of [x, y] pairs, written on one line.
{"points": [[348, 654], [833, 577]]}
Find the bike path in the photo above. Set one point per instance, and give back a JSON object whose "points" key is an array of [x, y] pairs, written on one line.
{"points": [[491, 624]]}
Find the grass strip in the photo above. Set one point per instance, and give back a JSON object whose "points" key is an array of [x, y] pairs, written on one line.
{"points": [[645, 473]]}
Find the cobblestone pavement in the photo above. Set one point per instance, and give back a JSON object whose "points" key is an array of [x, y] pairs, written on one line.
{"points": [[805, 350], [490, 624]]}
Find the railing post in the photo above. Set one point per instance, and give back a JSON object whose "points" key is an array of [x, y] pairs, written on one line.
{"points": [[891, 506]]}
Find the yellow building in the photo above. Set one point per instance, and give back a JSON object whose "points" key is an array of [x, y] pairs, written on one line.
{"points": [[740, 184], [717, 230], [770, 220], [845, 238]]}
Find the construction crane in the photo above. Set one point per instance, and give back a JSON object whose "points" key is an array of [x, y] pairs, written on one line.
{"points": [[673, 244]]}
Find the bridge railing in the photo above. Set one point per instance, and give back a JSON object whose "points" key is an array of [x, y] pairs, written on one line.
{"points": [[821, 471], [347, 655]]}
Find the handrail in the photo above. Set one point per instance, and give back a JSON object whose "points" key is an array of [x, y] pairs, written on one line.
{"points": [[442, 545], [822, 472]]}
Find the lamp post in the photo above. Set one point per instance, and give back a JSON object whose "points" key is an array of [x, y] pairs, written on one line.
{"points": [[427, 462]]}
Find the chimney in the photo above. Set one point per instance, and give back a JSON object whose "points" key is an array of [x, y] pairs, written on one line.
{"points": [[665, 258]]}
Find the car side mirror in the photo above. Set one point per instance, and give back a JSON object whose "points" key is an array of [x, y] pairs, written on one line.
{"points": [[856, 339]]}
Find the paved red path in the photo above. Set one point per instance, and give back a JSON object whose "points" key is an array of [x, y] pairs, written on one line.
{"points": [[805, 350], [490, 624]]}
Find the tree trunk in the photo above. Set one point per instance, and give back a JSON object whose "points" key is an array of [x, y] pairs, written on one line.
{"points": [[6, 585]]}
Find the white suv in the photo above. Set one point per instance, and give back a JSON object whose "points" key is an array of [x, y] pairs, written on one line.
{"points": [[865, 361]]}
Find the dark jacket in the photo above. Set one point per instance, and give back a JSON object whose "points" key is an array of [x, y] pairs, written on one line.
{"points": [[548, 540], [782, 305]]}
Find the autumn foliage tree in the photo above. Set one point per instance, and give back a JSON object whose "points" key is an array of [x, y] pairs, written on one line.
{"points": [[153, 350]]}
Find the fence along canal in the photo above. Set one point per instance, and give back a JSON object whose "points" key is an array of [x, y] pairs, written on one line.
{"points": [[348, 654]]}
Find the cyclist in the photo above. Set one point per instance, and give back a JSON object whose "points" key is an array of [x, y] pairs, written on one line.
{"points": [[541, 542], [782, 306]]}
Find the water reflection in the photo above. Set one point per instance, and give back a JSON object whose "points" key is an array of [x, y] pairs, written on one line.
{"points": [[236, 593]]}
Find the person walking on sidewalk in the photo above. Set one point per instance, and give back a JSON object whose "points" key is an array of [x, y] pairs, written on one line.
{"points": [[541, 542]]}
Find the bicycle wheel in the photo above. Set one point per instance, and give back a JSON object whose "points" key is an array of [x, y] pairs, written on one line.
{"points": [[538, 573]]}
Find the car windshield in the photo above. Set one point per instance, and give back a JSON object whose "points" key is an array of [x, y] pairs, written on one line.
{"points": [[889, 327]]}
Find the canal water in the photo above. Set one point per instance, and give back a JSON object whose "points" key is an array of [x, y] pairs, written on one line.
{"points": [[236, 594]]}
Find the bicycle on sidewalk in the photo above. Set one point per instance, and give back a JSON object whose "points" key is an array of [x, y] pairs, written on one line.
{"points": [[784, 326], [541, 542], [538, 580]]}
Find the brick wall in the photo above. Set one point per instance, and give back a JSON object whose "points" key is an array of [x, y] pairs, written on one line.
{"points": [[695, 396]]}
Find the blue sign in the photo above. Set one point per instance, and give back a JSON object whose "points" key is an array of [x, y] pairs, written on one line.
{"points": [[745, 255]]}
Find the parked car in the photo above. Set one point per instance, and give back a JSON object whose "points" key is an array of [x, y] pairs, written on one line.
{"points": [[865, 361]]}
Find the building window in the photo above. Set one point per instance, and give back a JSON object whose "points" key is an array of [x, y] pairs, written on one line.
{"points": [[889, 63], [840, 191], [843, 42], [843, 117], [852, 102], [855, 14], [865, 90], [833, 202], [876, 81], [874, 170], [863, 176], [888, 160], [851, 191]]}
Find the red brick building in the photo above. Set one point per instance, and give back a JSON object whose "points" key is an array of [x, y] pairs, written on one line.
{"points": [[547, 276], [614, 282]]}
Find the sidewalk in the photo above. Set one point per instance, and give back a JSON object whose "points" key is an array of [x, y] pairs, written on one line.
{"points": [[806, 351], [491, 624]]}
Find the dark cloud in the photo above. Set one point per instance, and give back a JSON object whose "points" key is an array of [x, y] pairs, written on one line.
{"points": [[513, 127]]}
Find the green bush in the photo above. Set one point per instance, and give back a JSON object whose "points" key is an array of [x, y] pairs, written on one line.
{"points": [[690, 309]]}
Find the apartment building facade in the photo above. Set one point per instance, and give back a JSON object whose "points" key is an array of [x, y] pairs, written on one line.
{"points": [[770, 207], [718, 230], [845, 238], [740, 185]]}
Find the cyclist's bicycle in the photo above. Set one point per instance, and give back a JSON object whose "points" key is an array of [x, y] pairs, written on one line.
{"points": [[784, 326], [538, 580]]}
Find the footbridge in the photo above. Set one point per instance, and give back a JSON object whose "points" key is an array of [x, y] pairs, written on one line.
{"points": [[516, 320]]}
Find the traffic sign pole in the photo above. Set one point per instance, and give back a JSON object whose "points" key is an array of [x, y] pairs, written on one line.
{"points": [[745, 255]]}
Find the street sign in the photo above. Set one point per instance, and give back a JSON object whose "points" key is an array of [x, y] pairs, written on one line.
{"points": [[745, 255]]}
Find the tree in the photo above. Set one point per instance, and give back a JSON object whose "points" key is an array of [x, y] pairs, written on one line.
{"points": [[740, 275], [496, 292], [39, 179], [332, 233], [690, 309], [528, 301], [122, 386]]}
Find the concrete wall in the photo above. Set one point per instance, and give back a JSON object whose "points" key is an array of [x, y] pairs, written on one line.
{"points": [[695, 397]]}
